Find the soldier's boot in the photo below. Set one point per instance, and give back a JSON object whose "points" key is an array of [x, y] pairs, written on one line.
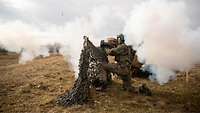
{"points": [[127, 84], [109, 78]]}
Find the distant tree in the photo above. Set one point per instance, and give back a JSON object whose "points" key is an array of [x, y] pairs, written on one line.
{"points": [[2, 49], [57, 47], [50, 48], [54, 48]]}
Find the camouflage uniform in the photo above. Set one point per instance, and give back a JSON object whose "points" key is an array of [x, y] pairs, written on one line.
{"points": [[123, 65]]}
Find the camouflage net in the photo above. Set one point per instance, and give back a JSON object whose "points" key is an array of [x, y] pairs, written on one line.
{"points": [[89, 73]]}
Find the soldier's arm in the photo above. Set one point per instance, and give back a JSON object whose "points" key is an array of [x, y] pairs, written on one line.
{"points": [[116, 51]]}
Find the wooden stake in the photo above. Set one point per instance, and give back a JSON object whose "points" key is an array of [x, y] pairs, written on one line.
{"points": [[187, 76]]}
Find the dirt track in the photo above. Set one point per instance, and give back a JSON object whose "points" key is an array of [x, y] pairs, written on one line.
{"points": [[33, 88]]}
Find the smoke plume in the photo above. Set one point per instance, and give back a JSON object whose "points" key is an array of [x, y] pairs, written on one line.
{"points": [[169, 43], [164, 33]]}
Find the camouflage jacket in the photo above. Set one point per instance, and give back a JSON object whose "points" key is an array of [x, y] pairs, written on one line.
{"points": [[121, 53]]}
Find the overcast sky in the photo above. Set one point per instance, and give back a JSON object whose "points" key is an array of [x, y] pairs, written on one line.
{"points": [[60, 11], [55, 11], [107, 17]]}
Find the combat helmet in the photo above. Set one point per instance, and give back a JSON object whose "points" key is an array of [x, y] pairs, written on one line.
{"points": [[120, 38]]}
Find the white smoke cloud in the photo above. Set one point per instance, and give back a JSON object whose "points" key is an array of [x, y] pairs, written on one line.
{"points": [[169, 42], [18, 35], [21, 37], [164, 27]]}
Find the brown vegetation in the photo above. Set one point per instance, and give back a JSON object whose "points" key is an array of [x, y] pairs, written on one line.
{"points": [[33, 88]]}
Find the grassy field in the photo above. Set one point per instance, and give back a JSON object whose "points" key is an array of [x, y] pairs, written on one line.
{"points": [[33, 88]]}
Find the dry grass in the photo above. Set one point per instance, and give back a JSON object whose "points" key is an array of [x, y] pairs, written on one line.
{"points": [[33, 88]]}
